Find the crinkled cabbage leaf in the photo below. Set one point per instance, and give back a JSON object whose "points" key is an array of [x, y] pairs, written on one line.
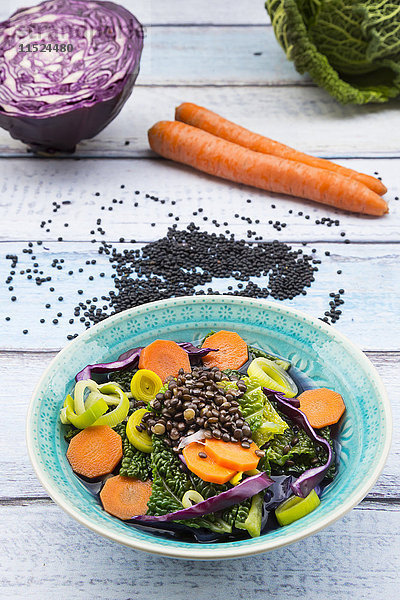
{"points": [[170, 484], [134, 463], [263, 419], [349, 48]]}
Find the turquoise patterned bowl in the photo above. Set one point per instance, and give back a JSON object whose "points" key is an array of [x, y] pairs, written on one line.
{"points": [[312, 346]]}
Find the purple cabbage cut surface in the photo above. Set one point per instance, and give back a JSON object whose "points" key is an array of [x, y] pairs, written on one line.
{"points": [[52, 100]]}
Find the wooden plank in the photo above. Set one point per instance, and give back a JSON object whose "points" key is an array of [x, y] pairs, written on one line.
{"points": [[231, 55], [75, 562], [306, 118], [29, 190], [19, 373], [178, 11], [370, 276], [215, 55]]}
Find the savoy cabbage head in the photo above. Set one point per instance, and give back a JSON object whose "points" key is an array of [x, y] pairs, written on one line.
{"points": [[350, 48]]}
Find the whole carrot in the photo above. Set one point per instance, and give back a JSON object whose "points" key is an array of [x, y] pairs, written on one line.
{"points": [[206, 152], [200, 117]]}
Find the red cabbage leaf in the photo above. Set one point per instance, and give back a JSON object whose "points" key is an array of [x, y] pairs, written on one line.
{"points": [[130, 359], [246, 489], [311, 477]]}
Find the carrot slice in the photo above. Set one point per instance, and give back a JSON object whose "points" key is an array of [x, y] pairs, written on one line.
{"points": [[125, 497], [205, 467], [216, 156], [232, 455], [200, 117], [164, 357], [95, 451], [321, 406], [232, 350]]}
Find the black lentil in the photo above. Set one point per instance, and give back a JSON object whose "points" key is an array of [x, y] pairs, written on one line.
{"points": [[194, 401], [333, 313], [185, 261], [170, 266]]}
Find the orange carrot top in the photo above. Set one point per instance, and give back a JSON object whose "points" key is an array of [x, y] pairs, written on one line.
{"points": [[232, 455], [202, 464], [125, 497], [95, 451]]}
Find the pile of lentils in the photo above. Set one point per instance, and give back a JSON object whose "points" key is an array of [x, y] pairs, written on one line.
{"points": [[185, 260], [194, 401]]}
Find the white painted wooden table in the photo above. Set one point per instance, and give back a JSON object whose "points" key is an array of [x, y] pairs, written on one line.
{"points": [[222, 55]]}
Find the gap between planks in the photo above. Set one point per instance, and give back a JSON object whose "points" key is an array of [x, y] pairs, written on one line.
{"points": [[382, 354], [368, 503], [147, 155], [147, 241]]}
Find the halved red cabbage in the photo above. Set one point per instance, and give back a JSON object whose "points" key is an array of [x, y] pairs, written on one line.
{"points": [[130, 359], [312, 477], [51, 100], [246, 489]]}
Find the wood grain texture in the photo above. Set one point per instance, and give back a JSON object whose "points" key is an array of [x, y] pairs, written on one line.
{"points": [[370, 276], [74, 562], [205, 52], [178, 11], [17, 479], [29, 189], [221, 56], [304, 117]]}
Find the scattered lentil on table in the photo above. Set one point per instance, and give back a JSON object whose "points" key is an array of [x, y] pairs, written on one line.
{"points": [[184, 261]]}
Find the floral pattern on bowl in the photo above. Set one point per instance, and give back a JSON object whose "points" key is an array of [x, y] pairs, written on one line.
{"points": [[318, 349]]}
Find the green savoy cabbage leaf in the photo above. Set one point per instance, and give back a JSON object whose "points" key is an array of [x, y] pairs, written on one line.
{"points": [[350, 48], [134, 463], [284, 457], [170, 483], [256, 409], [263, 419]]}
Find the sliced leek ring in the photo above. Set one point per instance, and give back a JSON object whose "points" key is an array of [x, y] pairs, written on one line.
{"points": [[295, 508], [140, 439], [119, 413], [83, 413], [79, 393], [191, 497], [272, 376], [145, 384], [87, 418]]}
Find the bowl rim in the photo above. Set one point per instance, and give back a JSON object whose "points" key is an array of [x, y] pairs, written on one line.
{"points": [[220, 551]]}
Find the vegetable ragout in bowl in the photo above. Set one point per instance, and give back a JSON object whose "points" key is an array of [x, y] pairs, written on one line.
{"points": [[236, 438]]}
